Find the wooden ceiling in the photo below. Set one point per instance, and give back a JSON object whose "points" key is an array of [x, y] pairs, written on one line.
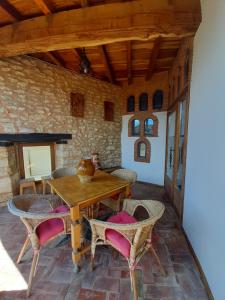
{"points": [[120, 60]]}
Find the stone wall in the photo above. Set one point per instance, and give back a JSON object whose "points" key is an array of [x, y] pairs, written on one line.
{"points": [[9, 175], [35, 97]]}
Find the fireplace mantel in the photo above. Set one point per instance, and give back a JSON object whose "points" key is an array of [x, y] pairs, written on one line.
{"points": [[8, 139]]}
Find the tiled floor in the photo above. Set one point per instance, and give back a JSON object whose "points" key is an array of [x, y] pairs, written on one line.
{"points": [[110, 279]]}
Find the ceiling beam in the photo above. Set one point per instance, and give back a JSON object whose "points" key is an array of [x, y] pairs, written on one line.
{"points": [[55, 58], [106, 63], [78, 52], [102, 24], [11, 10], [129, 62], [84, 3], [153, 59], [44, 6]]}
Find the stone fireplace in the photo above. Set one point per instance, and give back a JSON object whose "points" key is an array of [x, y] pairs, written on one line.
{"points": [[10, 171]]}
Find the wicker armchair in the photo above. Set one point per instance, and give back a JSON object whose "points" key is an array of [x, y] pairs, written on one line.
{"points": [[61, 172], [115, 203], [131, 238], [43, 225]]}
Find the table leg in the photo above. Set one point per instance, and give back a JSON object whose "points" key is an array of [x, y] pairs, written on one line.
{"points": [[75, 236]]}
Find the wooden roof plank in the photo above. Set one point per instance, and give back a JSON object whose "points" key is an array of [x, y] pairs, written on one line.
{"points": [[84, 3], [106, 63], [153, 59], [55, 58], [11, 10], [97, 25], [129, 62], [44, 6]]}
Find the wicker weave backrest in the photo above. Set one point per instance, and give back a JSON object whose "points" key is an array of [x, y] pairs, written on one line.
{"points": [[154, 208], [125, 174], [155, 211], [61, 172], [34, 209], [21, 205]]}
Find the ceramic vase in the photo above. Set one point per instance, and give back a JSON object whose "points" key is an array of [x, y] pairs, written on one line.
{"points": [[85, 170]]}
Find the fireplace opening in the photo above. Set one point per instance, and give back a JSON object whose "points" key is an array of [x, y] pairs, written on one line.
{"points": [[36, 160]]}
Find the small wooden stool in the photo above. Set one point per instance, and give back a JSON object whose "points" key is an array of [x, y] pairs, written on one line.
{"points": [[27, 183], [44, 182]]}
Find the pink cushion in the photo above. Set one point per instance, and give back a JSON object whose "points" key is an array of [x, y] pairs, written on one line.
{"points": [[117, 239], [50, 228]]}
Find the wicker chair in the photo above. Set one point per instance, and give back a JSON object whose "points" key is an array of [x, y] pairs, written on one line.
{"points": [[125, 234], [115, 203], [42, 227], [61, 172]]}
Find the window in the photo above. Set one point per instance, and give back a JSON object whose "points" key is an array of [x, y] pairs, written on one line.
{"points": [[108, 111], [149, 127], [171, 144], [131, 104], [143, 124], [142, 150], [36, 160], [143, 102], [77, 105], [158, 99], [136, 127], [180, 165]]}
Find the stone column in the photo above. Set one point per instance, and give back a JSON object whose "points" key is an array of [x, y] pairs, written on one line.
{"points": [[9, 173]]}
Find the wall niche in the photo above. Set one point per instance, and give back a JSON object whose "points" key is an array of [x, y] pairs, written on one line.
{"points": [[142, 150], [143, 102], [108, 111], [77, 102], [131, 104]]}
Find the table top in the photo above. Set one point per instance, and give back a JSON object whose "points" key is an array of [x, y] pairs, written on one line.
{"points": [[73, 192]]}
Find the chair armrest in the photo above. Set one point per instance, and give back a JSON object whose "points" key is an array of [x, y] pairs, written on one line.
{"points": [[129, 231], [36, 215], [115, 226]]}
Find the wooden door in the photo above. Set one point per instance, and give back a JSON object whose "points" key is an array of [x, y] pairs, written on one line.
{"points": [[176, 154], [170, 152]]}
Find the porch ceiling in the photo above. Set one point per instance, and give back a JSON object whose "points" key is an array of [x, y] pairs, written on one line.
{"points": [[123, 39]]}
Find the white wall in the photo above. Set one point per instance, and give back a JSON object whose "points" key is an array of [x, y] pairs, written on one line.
{"points": [[152, 172], [204, 205]]}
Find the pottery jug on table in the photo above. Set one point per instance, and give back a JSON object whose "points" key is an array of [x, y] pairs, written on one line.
{"points": [[85, 170]]}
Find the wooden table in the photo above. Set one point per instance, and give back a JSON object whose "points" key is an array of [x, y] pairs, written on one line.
{"points": [[79, 195]]}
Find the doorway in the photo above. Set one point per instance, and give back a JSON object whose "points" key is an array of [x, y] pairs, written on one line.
{"points": [[177, 124]]}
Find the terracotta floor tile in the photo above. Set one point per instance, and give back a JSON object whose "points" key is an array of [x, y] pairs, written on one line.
{"points": [[110, 279], [107, 284], [85, 294]]}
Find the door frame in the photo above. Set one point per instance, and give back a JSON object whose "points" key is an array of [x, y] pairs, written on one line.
{"points": [[175, 195]]}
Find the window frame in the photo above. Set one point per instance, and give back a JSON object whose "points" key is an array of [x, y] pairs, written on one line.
{"points": [[139, 158], [152, 127], [132, 127]]}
